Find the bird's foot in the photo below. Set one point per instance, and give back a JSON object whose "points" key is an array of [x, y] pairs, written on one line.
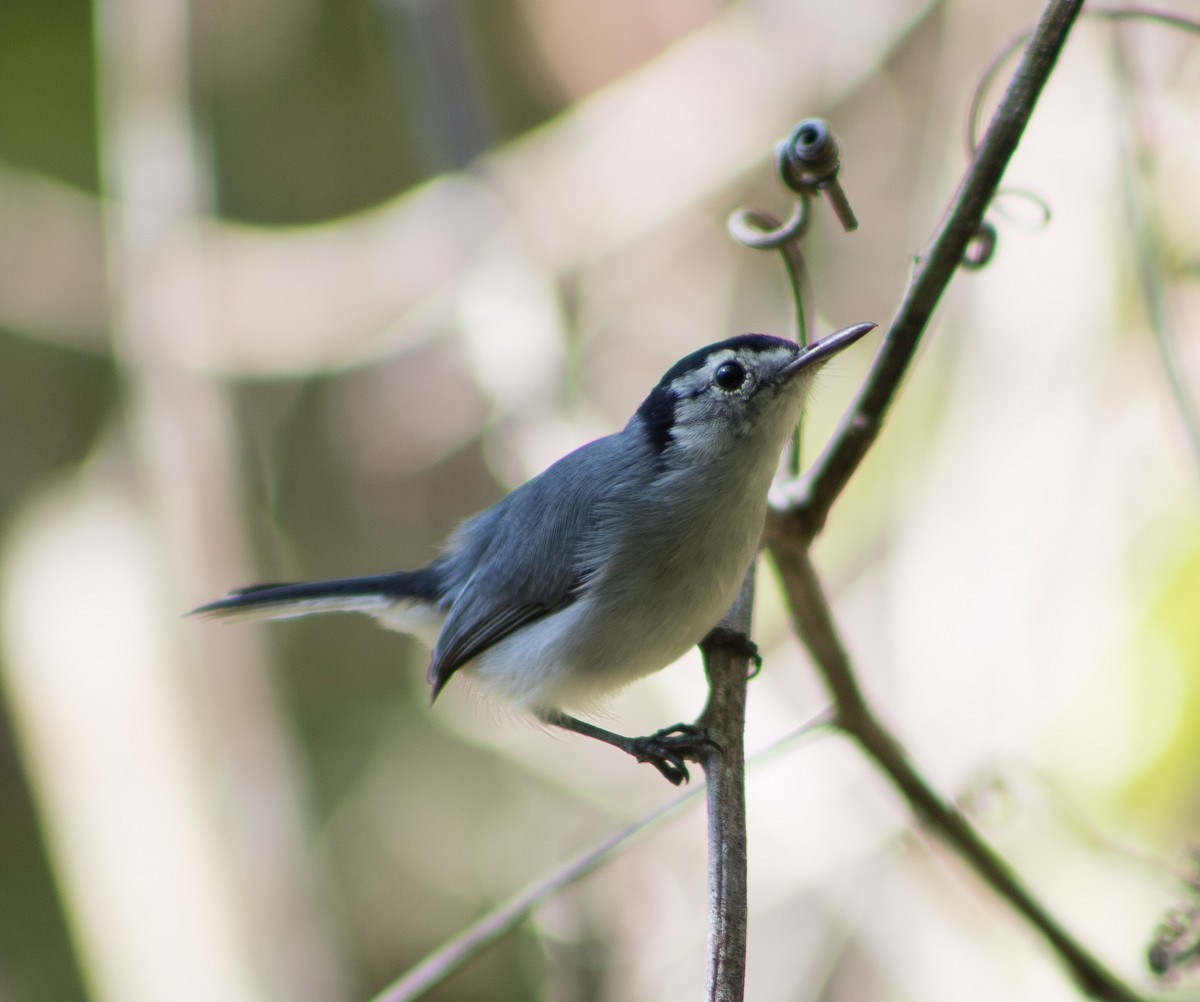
{"points": [[736, 641], [669, 749]]}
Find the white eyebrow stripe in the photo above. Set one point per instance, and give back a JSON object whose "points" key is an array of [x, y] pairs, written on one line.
{"points": [[696, 381]]}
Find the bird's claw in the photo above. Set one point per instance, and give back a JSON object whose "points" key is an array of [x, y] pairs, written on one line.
{"points": [[736, 641], [668, 750]]}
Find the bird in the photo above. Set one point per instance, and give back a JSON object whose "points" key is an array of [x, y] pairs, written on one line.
{"points": [[611, 563]]}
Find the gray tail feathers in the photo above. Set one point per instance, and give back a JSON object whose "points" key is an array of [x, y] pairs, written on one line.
{"points": [[366, 594]]}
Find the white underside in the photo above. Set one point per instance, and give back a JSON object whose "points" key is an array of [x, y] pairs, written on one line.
{"points": [[554, 663]]}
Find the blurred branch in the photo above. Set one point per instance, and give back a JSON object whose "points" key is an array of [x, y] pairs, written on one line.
{"points": [[1151, 266], [180, 435], [296, 299], [52, 283], [792, 527], [502, 919]]}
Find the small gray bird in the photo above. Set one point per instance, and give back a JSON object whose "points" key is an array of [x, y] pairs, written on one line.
{"points": [[611, 563]]}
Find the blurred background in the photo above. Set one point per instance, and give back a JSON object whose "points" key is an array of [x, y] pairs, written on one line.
{"points": [[290, 287]]}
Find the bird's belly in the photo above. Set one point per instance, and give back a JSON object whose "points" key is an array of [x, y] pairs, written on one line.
{"points": [[612, 636]]}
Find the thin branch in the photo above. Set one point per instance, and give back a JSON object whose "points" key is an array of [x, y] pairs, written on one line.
{"points": [[724, 723], [812, 498]]}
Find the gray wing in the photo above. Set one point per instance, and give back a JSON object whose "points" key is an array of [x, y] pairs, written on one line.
{"points": [[527, 556]]}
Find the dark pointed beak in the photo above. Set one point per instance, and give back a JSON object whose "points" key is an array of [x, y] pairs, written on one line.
{"points": [[827, 347]]}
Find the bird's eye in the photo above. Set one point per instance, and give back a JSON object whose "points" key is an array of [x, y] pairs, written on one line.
{"points": [[730, 376]]}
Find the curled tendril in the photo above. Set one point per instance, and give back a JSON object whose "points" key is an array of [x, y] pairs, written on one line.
{"points": [[810, 157], [807, 163], [762, 231], [809, 160], [1008, 195], [981, 247]]}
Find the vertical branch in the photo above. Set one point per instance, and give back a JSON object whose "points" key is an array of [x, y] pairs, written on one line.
{"points": [[724, 723]]}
